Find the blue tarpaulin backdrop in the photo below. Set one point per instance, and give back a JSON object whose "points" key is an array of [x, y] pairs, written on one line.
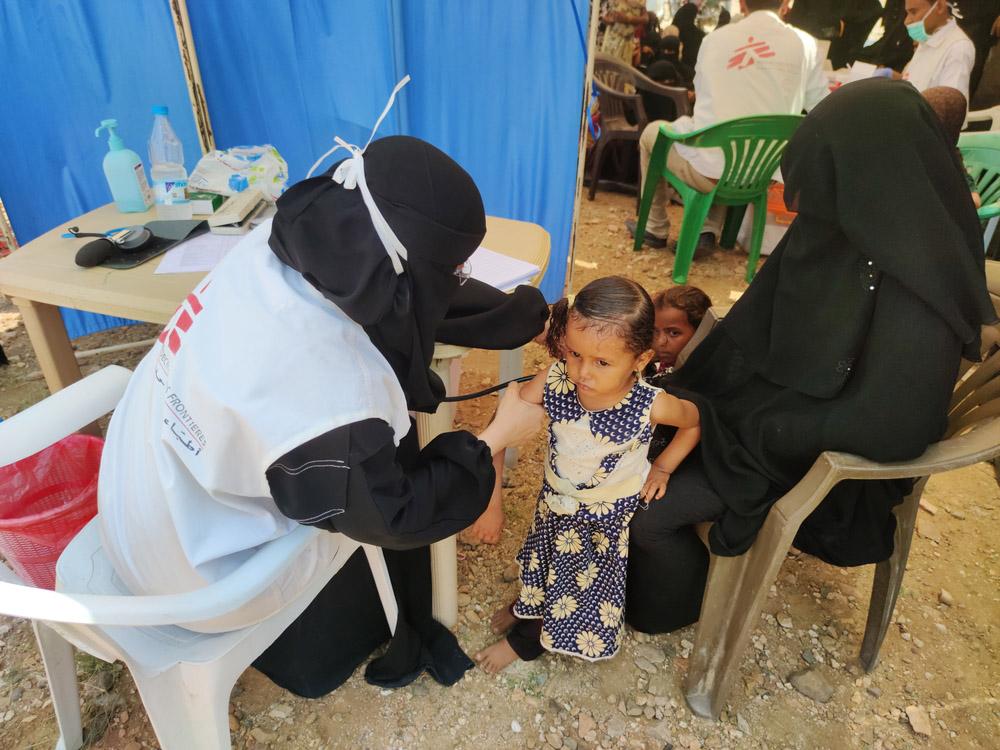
{"points": [[495, 85]]}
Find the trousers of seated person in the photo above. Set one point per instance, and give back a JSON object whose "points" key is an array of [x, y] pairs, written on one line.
{"points": [[667, 562], [658, 223]]}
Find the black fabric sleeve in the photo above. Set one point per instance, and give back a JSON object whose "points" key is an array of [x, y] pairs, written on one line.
{"points": [[353, 479], [483, 317]]}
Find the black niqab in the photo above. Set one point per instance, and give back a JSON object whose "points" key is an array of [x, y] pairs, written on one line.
{"points": [[850, 336], [879, 192], [324, 231], [690, 34]]}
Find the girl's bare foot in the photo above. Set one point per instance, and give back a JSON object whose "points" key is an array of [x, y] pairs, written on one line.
{"points": [[502, 621], [494, 658]]}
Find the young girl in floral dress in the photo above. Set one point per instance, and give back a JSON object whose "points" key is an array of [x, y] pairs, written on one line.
{"points": [[596, 475]]}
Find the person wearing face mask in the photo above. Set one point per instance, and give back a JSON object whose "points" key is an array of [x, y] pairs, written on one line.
{"points": [[944, 55]]}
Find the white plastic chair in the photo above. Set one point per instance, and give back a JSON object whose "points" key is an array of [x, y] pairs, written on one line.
{"points": [[183, 677], [991, 115]]}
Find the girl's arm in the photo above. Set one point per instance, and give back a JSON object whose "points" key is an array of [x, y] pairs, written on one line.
{"points": [[670, 410]]}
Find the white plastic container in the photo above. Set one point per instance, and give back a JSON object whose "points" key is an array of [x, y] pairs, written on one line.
{"points": [[166, 158]]}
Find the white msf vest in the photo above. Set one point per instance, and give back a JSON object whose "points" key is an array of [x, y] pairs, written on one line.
{"points": [[254, 363]]}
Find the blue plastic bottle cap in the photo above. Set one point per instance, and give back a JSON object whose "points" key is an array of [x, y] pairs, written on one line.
{"points": [[160, 109]]}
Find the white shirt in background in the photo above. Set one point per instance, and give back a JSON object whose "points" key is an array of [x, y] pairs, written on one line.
{"points": [[945, 59], [757, 66]]}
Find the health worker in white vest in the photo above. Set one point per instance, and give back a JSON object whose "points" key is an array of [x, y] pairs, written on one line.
{"points": [[944, 55], [279, 394]]}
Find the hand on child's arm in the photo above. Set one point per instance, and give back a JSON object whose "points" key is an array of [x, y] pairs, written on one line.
{"points": [[516, 420], [656, 484]]}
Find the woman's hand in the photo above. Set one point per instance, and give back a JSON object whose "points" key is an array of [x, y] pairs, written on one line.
{"points": [[516, 420], [656, 484]]}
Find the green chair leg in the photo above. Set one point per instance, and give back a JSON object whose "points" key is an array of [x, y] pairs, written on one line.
{"points": [[654, 173], [695, 213], [731, 229], [757, 236]]}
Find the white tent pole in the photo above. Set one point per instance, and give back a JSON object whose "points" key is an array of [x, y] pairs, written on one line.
{"points": [[588, 78], [192, 75]]}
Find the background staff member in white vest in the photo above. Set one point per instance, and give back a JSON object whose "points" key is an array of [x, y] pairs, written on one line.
{"points": [[279, 394], [944, 54], [759, 65]]}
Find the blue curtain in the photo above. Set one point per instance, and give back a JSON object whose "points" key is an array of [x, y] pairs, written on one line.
{"points": [[496, 85], [294, 74], [65, 65]]}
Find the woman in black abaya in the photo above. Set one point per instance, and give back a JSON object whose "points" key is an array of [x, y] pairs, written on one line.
{"points": [[690, 34], [399, 497], [849, 339]]}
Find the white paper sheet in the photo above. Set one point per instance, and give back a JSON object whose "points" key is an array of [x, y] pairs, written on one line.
{"points": [[199, 254], [499, 270]]}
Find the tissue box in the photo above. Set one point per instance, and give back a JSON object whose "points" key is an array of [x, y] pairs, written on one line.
{"points": [[204, 202]]}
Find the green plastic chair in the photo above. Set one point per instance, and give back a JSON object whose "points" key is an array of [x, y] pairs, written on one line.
{"points": [[752, 147], [981, 154]]}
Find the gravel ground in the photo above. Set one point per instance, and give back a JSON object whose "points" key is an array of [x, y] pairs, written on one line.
{"points": [[799, 685]]}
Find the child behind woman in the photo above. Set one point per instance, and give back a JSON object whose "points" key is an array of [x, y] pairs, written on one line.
{"points": [[596, 474], [679, 312]]}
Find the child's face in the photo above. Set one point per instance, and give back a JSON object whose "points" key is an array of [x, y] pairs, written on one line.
{"points": [[671, 332], [598, 361]]}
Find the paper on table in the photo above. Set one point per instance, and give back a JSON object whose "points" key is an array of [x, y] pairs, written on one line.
{"points": [[198, 254], [499, 270]]}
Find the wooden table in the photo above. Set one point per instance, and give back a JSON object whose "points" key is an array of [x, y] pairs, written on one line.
{"points": [[41, 276]]}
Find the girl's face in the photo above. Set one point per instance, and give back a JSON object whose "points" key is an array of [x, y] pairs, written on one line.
{"points": [[599, 363], [671, 332]]}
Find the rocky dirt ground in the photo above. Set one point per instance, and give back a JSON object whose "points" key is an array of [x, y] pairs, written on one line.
{"points": [[936, 685]]}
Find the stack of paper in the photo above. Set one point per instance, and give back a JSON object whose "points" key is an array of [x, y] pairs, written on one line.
{"points": [[198, 254], [499, 270]]}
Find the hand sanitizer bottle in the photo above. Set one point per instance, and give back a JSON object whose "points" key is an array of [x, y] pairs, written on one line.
{"points": [[166, 159], [124, 172]]}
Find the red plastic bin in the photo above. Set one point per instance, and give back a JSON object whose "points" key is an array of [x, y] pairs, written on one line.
{"points": [[45, 500]]}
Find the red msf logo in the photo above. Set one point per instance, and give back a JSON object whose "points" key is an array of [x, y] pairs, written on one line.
{"points": [[748, 54], [171, 335]]}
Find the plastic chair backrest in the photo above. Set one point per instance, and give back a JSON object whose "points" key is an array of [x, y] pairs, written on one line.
{"points": [[977, 394], [752, 148], [613, 105], [613, 73], [983, 163], [991, 115]]}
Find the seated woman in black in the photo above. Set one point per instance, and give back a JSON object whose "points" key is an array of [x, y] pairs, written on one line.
{"points": [[849, 339]]}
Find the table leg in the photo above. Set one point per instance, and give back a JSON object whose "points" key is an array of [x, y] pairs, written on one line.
{"points": [[47, 333], [444, 562], [511, 366]]}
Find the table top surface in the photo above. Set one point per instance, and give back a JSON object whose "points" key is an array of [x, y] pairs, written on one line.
{"points": [[43, 270]]}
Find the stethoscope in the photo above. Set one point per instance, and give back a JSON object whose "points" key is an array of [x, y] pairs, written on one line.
{"points": [[487, 391]]}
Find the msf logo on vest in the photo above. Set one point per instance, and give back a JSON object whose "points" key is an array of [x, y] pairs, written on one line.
{"points": [[178, 419], [184, 318], [749, 53]]}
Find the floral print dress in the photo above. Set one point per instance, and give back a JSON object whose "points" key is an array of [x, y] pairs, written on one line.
{"points": [[574, 559]]}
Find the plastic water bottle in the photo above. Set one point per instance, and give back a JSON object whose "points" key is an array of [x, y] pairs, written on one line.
{"points": [[166, 157]]}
